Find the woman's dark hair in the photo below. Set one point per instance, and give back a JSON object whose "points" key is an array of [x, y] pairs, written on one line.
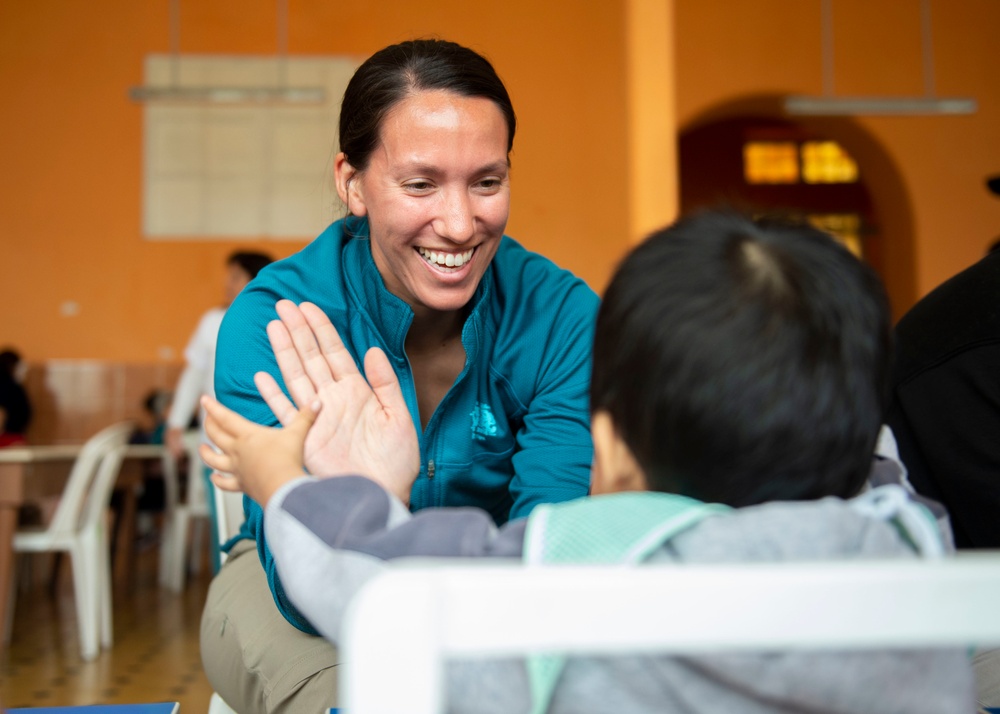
{"points": [[393, 73], [250, 262], [744, 362]]}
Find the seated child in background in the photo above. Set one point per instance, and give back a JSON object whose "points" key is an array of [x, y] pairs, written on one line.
{"points": [[153, 424], [737, 391]]}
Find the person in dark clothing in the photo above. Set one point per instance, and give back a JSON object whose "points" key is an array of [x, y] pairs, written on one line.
{"points": [[15, 408], [945, 402], [945, 411]]}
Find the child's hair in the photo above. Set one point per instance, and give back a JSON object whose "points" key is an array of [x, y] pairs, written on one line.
{"points": [[743, 361], [157, 402]]}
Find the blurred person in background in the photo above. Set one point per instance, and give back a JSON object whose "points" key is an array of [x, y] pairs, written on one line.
{"points": [[197, 377], [15, 407]]}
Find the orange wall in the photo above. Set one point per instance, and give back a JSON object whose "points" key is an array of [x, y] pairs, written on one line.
{"points": [[70, 193], [70, 189], [728, 49]]}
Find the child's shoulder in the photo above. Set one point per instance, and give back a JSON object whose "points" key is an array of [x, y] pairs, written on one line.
{"points": [[884, 522]]}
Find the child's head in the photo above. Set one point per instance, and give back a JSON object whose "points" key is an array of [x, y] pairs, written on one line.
{"points": [[156, 404], [739, 362]]}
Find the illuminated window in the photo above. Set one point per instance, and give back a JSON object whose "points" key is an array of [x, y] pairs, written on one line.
{"points": [[827, 162], [771, 162], [779, 162], [845, 227]]}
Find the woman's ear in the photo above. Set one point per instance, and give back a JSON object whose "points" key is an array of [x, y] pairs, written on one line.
{"points": [[614, 468], [348, 185]]}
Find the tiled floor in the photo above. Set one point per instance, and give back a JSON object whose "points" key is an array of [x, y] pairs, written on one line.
{"points": [[155, 655]]}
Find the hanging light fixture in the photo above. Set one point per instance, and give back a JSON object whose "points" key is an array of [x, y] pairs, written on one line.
{"points": [[829, 104], [279, 93]]}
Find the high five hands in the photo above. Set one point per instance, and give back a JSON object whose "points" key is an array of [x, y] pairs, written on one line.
{"points": [[339, 424]]}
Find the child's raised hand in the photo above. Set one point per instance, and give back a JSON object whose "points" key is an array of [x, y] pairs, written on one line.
{"points": [[254, 459]]}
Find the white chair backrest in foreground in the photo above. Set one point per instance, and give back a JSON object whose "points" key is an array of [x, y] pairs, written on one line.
{"points": [[465, 609], [79, 527]]}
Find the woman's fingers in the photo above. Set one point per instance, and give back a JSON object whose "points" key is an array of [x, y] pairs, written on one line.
{"points": [[310, 355], [307, 349], [338, 359], [384, 382], [280, 405], [293, 371]]}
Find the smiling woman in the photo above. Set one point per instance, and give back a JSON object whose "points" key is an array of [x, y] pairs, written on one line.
{"points": [[491, 343]]}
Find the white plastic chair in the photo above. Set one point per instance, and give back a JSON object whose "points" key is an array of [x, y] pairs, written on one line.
{"points": [[182, 517], [462, 609], [228, 513], [217, 705], [79, 527]]}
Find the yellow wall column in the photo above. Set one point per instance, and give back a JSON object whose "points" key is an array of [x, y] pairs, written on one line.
{"points": [[653, 194]]}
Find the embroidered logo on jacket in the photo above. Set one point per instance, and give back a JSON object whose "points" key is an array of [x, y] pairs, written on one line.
{"points": [[483, 422]]}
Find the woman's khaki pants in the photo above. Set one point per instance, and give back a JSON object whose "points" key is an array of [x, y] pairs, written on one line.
{"points": [[254, 658]]}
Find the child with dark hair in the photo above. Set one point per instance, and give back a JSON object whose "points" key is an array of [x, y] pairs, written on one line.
{"points": [[739, 377]]}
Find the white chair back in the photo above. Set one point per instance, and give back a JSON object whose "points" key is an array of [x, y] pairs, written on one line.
{"points": [[88, 489], [465, 609], [229, 511], [78, 528], [196, 498]]}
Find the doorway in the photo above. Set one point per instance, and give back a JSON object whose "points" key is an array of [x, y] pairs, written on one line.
{"points": [[828, 170]]}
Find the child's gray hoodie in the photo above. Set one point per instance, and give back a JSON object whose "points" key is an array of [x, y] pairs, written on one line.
{"points": [[331, 535]]}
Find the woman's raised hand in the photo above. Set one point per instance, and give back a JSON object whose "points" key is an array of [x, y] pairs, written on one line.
{"points": [[364, 426]]}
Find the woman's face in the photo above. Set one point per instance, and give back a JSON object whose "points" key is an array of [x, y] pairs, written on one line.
{"points": [[437, 195]]}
